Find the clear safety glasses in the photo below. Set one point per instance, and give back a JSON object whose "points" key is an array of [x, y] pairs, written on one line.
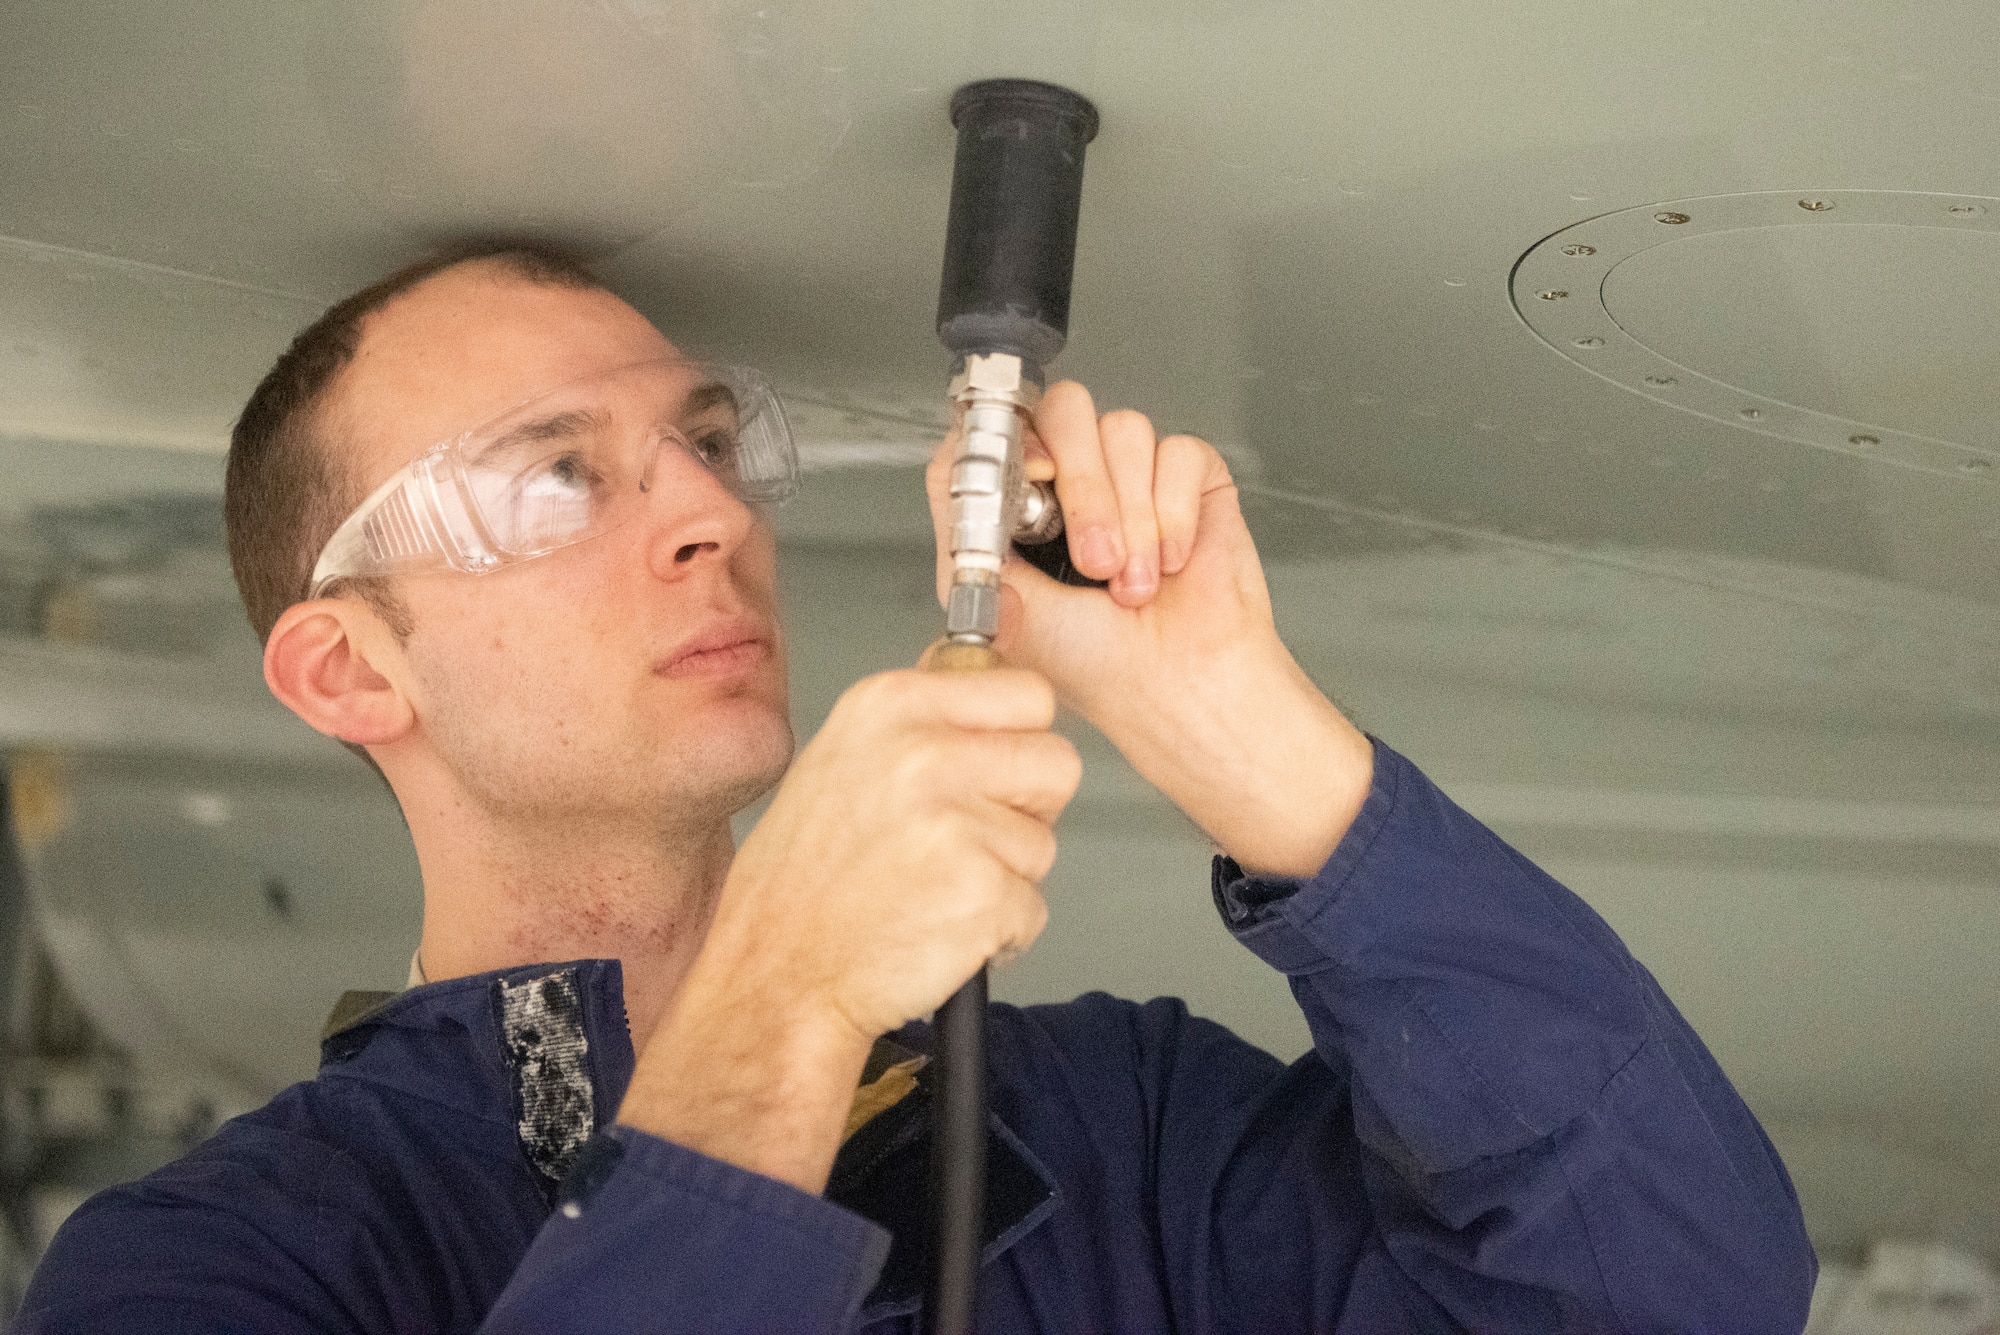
{"points": [[563, 468]]}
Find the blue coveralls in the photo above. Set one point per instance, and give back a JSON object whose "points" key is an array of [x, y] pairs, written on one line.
{"points": [[1505, 1126]]}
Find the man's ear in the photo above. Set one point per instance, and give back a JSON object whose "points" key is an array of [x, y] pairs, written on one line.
{"points": [[317, 662]]}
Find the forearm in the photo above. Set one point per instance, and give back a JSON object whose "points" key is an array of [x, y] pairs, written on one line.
{"points": [[749, 1075]]}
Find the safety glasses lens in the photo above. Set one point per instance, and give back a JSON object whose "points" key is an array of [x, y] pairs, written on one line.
{"points": [[578, 462], [565, 467]]}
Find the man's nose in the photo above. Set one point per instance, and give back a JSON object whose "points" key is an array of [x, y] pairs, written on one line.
{"points": [[690, 516]]}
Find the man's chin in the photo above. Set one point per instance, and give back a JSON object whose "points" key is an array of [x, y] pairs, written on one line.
{"points": [[742, 757]]}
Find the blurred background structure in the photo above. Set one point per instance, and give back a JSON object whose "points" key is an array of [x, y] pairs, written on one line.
{"points": [[1610, 382]]}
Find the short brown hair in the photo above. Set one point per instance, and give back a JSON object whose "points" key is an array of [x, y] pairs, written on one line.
{"points": [[284, 492]]}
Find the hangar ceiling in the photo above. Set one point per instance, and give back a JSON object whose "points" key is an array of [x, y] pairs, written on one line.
{"points": [[1736, 676]]}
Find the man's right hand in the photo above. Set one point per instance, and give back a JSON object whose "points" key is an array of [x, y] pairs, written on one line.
{"points": [[905, 848]]}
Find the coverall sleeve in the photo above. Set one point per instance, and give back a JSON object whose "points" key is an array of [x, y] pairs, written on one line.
{"points": [[749, 1254], [648, 1237], [1543, 1142]]}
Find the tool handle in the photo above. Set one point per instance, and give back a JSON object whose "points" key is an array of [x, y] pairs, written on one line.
{"points": [[958, 1114], [958, 656]]}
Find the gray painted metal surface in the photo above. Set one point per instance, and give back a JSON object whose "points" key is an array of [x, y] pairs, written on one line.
{"points": [[1737, 678]]}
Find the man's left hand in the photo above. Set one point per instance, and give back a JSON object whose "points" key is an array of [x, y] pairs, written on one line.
{"points": [[1178, 662]]}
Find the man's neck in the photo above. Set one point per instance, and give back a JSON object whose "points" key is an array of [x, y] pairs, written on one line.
{"points": [[498, 895]]}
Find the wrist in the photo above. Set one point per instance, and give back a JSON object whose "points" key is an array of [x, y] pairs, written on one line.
{"points": [[1254, 753]]}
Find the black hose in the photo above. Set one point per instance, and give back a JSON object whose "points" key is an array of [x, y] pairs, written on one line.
{"points": [[958, 1156]]}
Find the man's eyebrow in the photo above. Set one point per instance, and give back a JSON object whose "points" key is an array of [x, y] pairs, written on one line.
{"points": [[707, 396], [556, 426]]}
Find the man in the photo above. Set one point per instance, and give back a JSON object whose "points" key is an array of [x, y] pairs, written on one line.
{"points": [[626, 1099]]}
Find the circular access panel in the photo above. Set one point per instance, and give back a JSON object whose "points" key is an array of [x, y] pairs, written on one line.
{"points": [[1861, 321]]}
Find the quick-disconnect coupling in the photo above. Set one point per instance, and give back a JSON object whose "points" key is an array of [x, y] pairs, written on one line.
{"points": [[995, 393]]}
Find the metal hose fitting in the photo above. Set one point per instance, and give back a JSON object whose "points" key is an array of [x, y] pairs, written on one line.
{"points": [[992, 503]]}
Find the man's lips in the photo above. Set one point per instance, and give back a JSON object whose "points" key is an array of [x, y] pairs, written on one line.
{"points": [[724, 651]]}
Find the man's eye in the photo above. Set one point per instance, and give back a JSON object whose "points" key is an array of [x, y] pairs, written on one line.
{"points": [[717, 448], [564, 474]]}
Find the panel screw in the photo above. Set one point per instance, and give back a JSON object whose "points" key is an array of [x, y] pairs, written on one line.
{"points": [[1553, 294], [1579, 250], [1975, 466], [1815, 205], [1590, 342], [1966, 210], [1662, 381], [1864, 442], [1672, 219], [1749, 414]]}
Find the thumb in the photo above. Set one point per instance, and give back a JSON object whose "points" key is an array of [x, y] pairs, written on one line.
{"points": [[1037, 612]]}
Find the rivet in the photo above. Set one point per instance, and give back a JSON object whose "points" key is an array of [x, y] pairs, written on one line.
{"points": [[1966, 210], [1815, 205], [1670, 218], [1579, 250], [571, 1210], [1590, 342], [1749, 414], [1553, 294], [1864, 442], [1975, 466], [1662, 381]]}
